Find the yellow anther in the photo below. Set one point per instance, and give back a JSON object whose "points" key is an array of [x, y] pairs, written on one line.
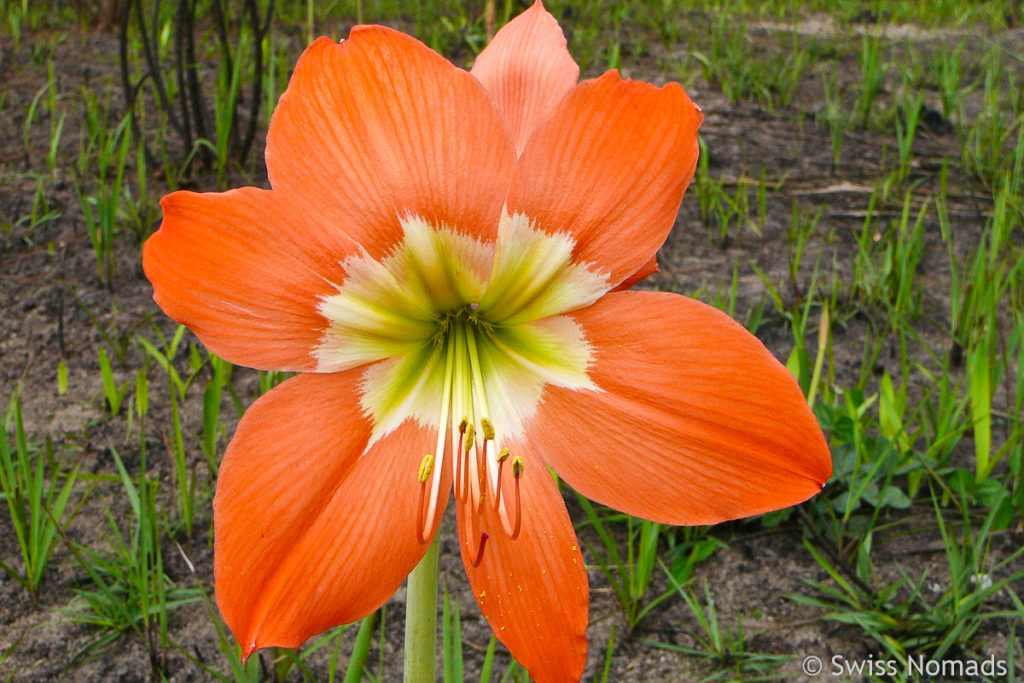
{"points": [[426, 468], [467, 443], [517, 467], [463, 423], [503, 455], [488, 428]]}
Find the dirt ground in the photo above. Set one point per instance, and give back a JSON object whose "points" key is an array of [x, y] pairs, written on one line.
{"points": [[53, 307]]}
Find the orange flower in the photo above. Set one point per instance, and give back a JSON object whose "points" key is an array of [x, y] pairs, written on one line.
{"points": [[439, 256]]}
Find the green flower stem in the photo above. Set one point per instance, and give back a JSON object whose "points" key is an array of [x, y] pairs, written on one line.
{"points": [[421, 618]]}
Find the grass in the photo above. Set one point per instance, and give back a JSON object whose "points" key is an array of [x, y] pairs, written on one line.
{"points": [[725, 650], [38, 489], [890, 276]]}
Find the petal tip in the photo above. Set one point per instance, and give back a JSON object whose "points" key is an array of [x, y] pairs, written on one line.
{"points": [[248, 650]]}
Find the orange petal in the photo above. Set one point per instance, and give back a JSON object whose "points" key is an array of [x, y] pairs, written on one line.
{"points": [[649, 268], [244, 270], [532, 589], [312, 532], [609, 166], [380, 126], [695, 423], [527, 68]]}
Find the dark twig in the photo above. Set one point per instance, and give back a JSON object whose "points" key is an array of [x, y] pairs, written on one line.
{"points": [[222, 35], [228, 66], [180, 67], [259, 31], [60, 319], [131, 91], [187, 114], [831, 552], [153, 63], [187, 17]]}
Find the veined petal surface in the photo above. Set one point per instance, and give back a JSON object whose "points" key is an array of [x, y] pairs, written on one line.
{"points": [[609, 167], [313, 530], [694, 421], [379, 127], [245, 270], [527, 69]]}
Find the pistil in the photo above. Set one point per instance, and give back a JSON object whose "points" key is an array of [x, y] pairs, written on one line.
{"points": [[478, 557]]}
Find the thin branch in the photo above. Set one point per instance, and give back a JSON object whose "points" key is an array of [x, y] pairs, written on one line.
{"points": [[153, 63], [179, 67], [130, 92], [260, 31], [831, 552], [186, 25]]}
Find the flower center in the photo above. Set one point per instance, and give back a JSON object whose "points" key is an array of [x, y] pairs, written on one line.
{"points": [[471, 348], [463, 335]]}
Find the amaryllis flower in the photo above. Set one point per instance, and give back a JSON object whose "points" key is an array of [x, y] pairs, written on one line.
{"points": [[442, 257]]}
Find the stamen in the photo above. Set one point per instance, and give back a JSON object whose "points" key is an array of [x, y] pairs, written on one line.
{"points": [[487, 427], [472, 468], [481, 476], [481, 460], [517, 474], [467, 446], [460, 461], [423, 476], [502, 457], [426, 467]]}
